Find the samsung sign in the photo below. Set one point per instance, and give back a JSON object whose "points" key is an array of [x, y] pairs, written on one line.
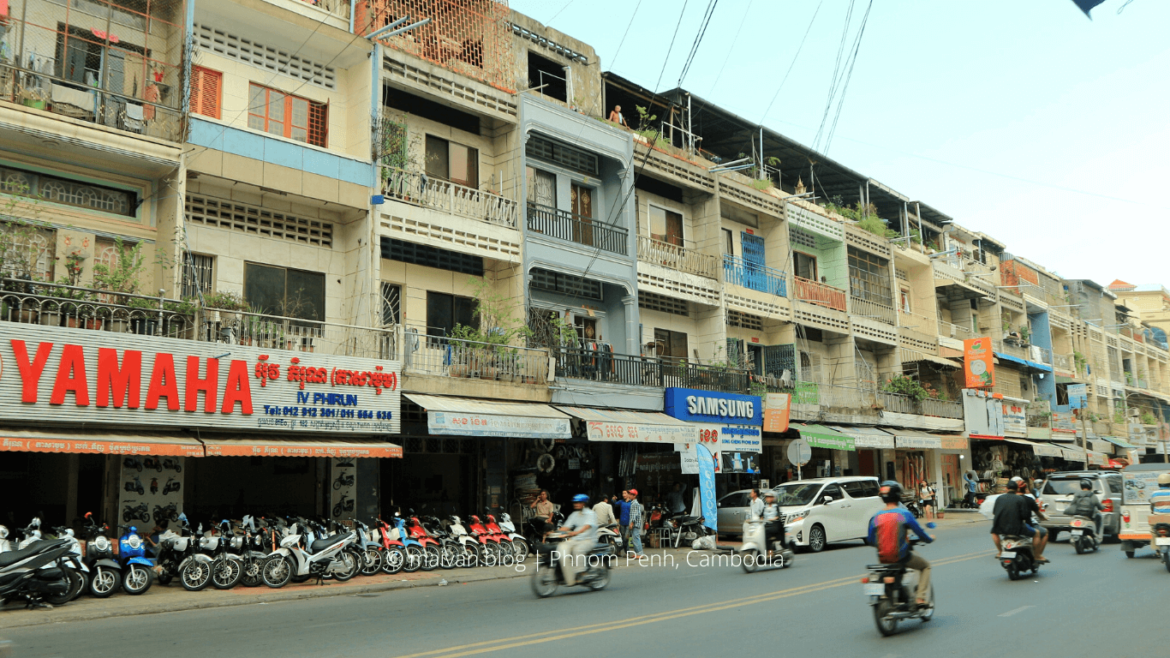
{"points": [[711, 407]]}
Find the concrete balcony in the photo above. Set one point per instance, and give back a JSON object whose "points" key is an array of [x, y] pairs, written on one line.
{"points": [[867, 405], [659, 372], [445, 196], [440, 356], [873, 310], [678, 258], [820, 294], [738, 272], [571, 227]]}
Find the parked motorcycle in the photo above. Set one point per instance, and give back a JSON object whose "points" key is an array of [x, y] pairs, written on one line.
{"points": [[1161, 528], [520, 547], [1084, 534], [336, 556], [610, 535], [257, 545], [688, 529], [492, 553], [507, 549], [370, 547], [137, 569], [36, 574], [396, 555], [892, 597], [451, 552], [757, 552], [135, 513], [105, 573], [547, 576], [74, 561], [1017, 556], [227, 567], [178, 556], [432, 549], [472, 550]]}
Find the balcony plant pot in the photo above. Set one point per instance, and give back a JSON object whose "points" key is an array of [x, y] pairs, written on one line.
{"points": [[120, 325], [50, 318], [94, 324], [27, 316]]}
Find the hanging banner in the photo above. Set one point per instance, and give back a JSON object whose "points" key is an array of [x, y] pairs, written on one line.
{"points": [[151, 492], [688, 458], [606, 431], [1015, 419], [707, 487], [777, 407], [978, 366], [1078, 396]]}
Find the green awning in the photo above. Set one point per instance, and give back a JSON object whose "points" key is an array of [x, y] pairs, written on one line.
{"points": [[1118, 442], [819, 436]]}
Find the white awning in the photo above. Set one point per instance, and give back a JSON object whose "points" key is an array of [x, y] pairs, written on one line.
{"points": [[911, 439], [488, 418], [866, 437], [1039, 449], [634, 426]]}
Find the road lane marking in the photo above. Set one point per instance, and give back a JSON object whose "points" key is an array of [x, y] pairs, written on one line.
{"points": [[566, 633], [1017, 610]]}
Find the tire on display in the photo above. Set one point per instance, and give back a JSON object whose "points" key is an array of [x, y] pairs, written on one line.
{"points": [[104, 582], [137, 579], [195, 576], [881, 612], [276, 571], [544, 582], [73, 579], [816, 539], [750, 557], [414, 559], [226, 573], [393, 559]]}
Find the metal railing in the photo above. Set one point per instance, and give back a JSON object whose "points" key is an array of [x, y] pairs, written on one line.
{"points": [[71, 99], [452, 357], [949, 330], [739, 272], [445, 196], [659, 372], [1044, 354], [873, 310], [676, 257], [896, 403], [56, 305], [821, 294], [1063, 362], [564, 225], [1012, 346], [942, 408]]}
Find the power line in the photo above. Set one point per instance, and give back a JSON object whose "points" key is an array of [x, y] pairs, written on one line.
{"points": [[628, 26], [698, 39], [672, 38], [793, 63], [549, 21], [848, 76], [836, 73], [731, 49]]}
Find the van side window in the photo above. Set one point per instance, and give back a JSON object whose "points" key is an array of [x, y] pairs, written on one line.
{"points": [[855, 489], [1114, 485], [871, 488], [830, 490], [733, 500]]}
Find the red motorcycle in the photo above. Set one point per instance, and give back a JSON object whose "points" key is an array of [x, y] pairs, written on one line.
{"points": [[506, 545], [432, 549], [396, 555], [493, 551]]}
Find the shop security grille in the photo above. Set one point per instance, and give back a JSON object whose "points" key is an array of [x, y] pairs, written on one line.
{"points": [[262, 56], [197, 273], [561, 154], [254, 220], [421, 254], [653, 302]]}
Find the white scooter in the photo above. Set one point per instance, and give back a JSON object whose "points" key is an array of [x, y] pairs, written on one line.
{"points": [[756, 552], [335, 556], [520, 547], [610, 535], [472, 548]]}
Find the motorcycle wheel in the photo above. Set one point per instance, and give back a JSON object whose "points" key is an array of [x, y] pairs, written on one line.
{"points": [[104, 583], [337, 510], [520, 549], [600, 578], [1078, 545], [251, 576], [137, 579], [276, 571], [432, 556], [472, 555], [351, 565], [195, 576], [885, 625], [371, 561], [226, 573], [544, 582], [490, 556], [414, 559], [393, 560], [750, 557], [145, 518], [1013, 571], [74, 584], [336, 485], [450, 556]]}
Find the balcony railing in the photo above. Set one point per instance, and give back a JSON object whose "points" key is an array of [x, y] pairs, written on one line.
{"points": [[85, 308], [140, 116], [755, 277], [1063, 362], [809, 398], [451, 357], [958, 332], [448, 197], [820, 294], [676, 257], [660, 372], [942, 408], [895, 403], [865, 308], [564, 225], [1012, 347]]}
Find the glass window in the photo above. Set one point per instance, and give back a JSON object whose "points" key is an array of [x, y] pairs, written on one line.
{"points": [[728, 242], [1114, 485], [542, 188], [391, 304], [666, 226], [904, 297], [671, 344], [869, 277], [19, 182], [855, 489], [197, 275], [285, 292], [830, 490], [277, 113], [445, 312], [453, 162], [733, 500], [806, 266], [796, 493]]}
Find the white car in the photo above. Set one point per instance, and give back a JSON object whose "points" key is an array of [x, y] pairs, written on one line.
{"points": [[821, 511]]}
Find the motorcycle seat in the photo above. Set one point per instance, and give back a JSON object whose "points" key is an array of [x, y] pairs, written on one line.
{"points": [[322, 544], [12, 557]]}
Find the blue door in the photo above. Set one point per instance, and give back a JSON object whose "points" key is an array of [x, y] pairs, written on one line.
{"points": [[755, 275]]}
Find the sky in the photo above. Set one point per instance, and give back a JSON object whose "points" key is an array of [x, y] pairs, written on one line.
{"points": [[1022, 119]]}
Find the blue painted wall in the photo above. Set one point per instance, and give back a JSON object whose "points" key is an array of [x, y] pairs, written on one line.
{"points": [[1042, 337]]}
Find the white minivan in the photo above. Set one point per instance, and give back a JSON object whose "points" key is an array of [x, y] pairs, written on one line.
{"points": [[821, 511]]}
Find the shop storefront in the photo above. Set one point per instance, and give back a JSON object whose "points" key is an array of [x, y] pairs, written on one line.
{"points": [[729, 425], [137, 428], [917, 457], [955, 460], [830, 450], [873, 448]]}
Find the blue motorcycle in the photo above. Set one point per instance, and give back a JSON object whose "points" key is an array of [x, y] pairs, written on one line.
{"points": [[137, 569]]}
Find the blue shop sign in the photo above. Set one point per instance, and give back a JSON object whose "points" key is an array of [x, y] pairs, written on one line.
{"points": [[699, 406]]}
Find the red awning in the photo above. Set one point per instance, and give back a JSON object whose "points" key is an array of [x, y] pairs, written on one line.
{"points": [[100, 443], [261, 447]]}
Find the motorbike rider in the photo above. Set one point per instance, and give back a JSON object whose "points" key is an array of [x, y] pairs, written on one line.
{"points": [[1160, 499], [1041, 540], [773, 526], [1085, 503], [581, 534], [756, 507], [887, 532], [1013, 513]]}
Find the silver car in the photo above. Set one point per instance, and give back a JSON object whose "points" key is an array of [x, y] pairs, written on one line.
{"points": [[1057, 494], [734, 509]]}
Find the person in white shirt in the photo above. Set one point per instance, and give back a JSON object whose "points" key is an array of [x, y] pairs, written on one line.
{"points": [[756, 507], [604, 513], [581, 534]]}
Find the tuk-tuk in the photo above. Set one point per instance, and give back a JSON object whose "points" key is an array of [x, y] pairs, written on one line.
{"points": [[1138, 482]]}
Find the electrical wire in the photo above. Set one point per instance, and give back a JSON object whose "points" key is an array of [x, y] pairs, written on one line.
{"points": [[731, 49], [668, 50], [698, 40], [836, 75], [623, 41], [848, 77], [791, 64]]}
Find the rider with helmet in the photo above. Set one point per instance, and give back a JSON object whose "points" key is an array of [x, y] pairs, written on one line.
{"points": [[1085, 503], [773, 520], [1160, 499], [887, 533], [581, 535]]}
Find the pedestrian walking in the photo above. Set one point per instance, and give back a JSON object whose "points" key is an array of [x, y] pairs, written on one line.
{"points": [[622, 512], [635, 524]]}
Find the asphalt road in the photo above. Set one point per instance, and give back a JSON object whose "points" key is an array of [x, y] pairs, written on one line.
{"points": [[1080, 605]]}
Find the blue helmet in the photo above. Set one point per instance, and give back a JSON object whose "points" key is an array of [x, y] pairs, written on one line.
{"points": [[580, 498]]}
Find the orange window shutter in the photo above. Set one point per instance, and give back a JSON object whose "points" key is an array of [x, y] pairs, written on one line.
{"points": [[319, 124], [205, 92]]}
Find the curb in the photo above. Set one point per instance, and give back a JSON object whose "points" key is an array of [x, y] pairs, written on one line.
{"points": [[191, 602]]}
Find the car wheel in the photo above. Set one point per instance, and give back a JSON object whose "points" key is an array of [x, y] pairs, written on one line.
{"points": [[816, 539]]}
